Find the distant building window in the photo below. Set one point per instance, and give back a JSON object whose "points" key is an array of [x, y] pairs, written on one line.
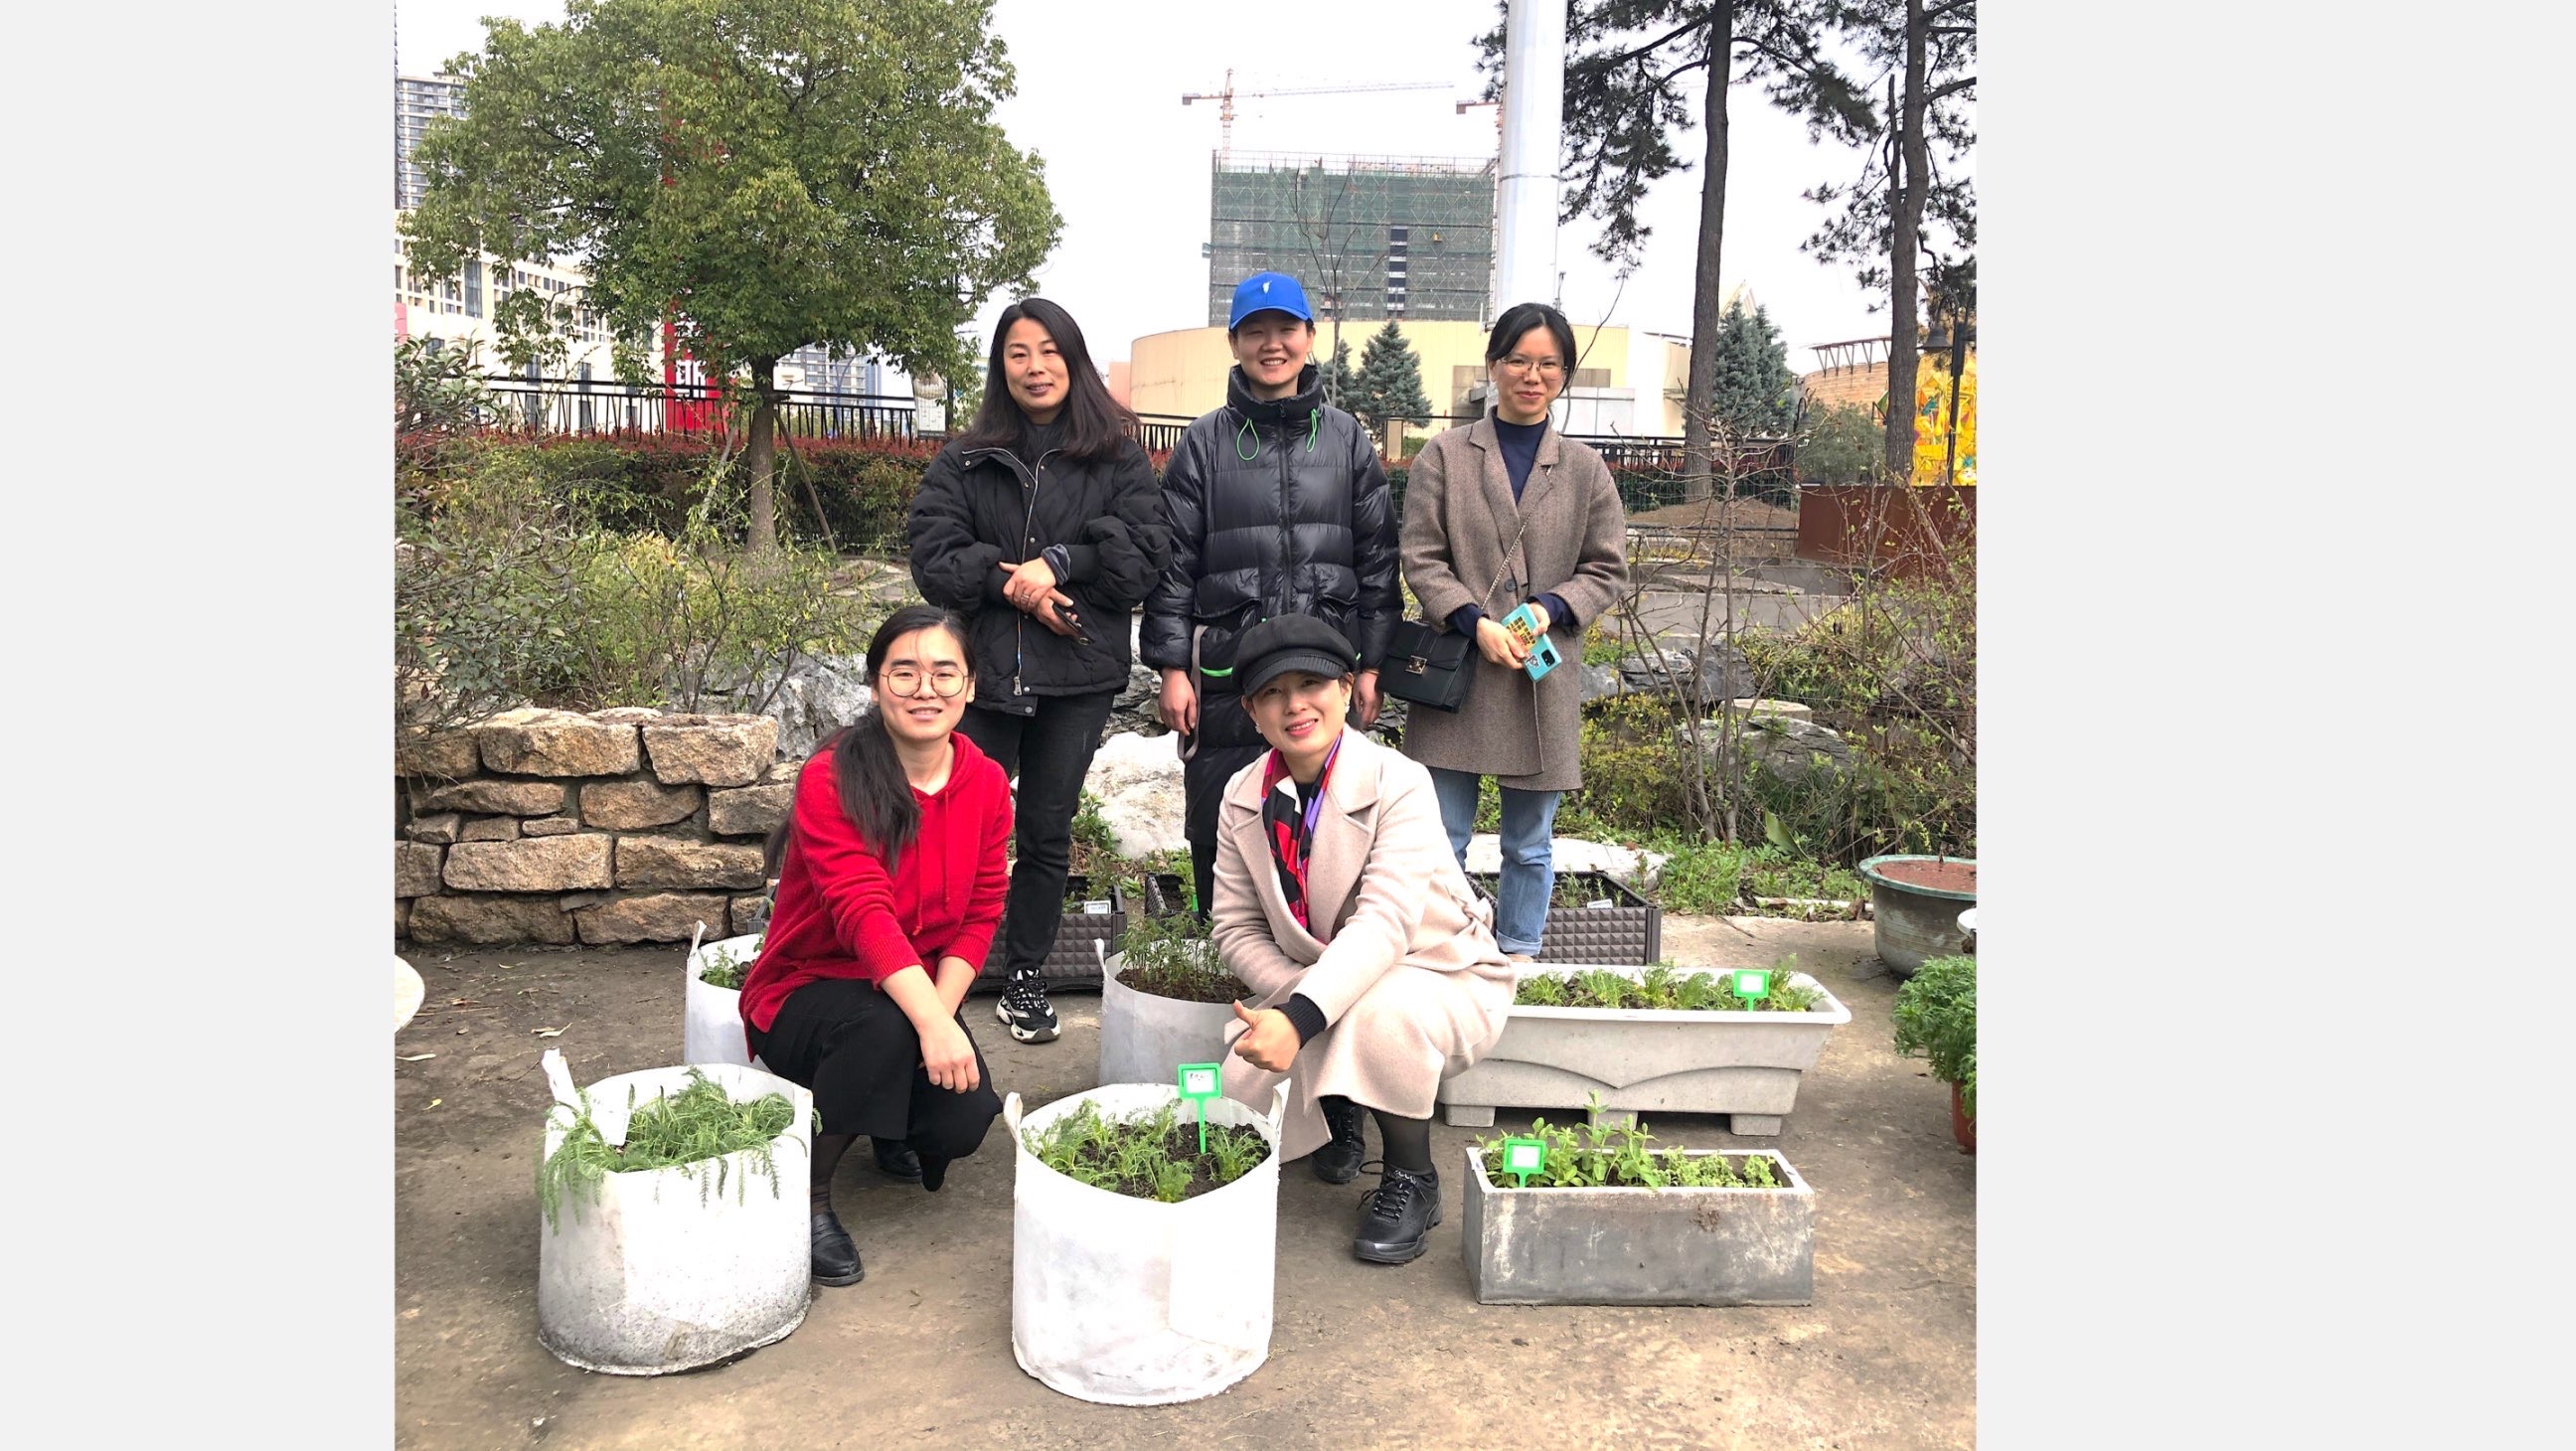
{"points": [[474, 288]]}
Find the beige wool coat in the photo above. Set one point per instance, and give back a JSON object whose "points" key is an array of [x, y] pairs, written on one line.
{"points": [[1403, 960], [1459, 520]]}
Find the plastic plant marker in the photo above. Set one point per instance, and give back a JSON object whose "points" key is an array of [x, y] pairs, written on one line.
{"points": [[1198, 1085], [1524, 1157], [1752, 984]]}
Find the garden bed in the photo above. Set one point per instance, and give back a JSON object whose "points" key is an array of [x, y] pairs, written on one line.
{"points": [[1675, 1245]]}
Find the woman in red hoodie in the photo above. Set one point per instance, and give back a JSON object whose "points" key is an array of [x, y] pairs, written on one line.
{"points": [[890, 881]]}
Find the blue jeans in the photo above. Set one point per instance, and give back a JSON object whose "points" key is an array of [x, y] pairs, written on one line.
{"points": [[1529, 867]]}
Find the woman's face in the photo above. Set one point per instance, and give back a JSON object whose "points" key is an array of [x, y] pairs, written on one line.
{"points": [[1300, 715], [924, 663], [1529, 376], [1273, 347], [1034, 370]]}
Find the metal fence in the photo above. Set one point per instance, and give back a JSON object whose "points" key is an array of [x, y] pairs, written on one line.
{"points": [[590, 406]]}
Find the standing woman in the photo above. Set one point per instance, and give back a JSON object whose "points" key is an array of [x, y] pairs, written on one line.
{"points": [[1340, 905], [889, 882], [1043, 527], [1503, 512]]}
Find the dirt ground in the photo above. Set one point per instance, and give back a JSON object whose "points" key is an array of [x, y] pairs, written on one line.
{"points": [[1361, 1355]]}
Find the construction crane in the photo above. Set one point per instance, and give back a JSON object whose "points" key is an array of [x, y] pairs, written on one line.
{"points": [[1225, 100]]}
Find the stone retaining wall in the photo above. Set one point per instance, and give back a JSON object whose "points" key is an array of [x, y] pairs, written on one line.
{"points": [[550, 826]]}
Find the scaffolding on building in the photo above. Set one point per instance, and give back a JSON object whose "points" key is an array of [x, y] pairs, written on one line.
{"points": [[1371, 237]]}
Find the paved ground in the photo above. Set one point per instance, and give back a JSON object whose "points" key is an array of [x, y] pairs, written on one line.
{"points": [[1362, 1355]]}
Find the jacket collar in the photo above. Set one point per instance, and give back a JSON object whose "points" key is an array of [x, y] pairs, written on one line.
{"points": [[1497, 478], [1282, 412], [1342, 836]]}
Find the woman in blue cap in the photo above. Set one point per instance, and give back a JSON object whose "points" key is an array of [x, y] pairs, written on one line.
{"points": [[1277, 505]]}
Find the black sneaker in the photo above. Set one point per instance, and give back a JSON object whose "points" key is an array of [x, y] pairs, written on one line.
{"points": [[1396, 1217], [1024, 1009], [1338, 1162], [836, 1259]]}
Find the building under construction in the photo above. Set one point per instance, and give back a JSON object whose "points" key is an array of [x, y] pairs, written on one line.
{"points": [[1371, 237]]}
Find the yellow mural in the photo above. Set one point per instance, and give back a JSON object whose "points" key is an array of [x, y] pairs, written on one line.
{"points": [[1932, 420]]}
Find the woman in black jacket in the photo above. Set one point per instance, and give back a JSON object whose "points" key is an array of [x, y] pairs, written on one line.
{"points": [[1043, 528]]}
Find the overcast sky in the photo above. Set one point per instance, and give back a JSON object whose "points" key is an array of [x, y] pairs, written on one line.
{"points": [[1127, 163]]}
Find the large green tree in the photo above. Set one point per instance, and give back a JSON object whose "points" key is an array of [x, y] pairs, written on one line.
{"points": [[1390, 381], [1910, 218], [765, 174], [1749, 391], [1629, 69]]}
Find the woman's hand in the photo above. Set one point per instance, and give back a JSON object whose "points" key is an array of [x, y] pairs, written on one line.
{"points": [[949, 1057], [1538, 612], [1270, 1043], [1045, 612], [1365, 701], [1029, 584], [1179, 706], [1499, 645]]}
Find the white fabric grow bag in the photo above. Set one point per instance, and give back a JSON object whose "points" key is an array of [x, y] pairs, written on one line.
{"points": [[711, 1017], [1131, 1302], [663, 1271]]}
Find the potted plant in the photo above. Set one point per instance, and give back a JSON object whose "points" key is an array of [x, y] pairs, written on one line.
{"points": [[1608, 1221], [1093, 912], [711, 1000], [1165, 1000], [673, 1218], [1936, 1019], [1142, 1265], [1593, 917], [1626, 1039], [1915, 902]]}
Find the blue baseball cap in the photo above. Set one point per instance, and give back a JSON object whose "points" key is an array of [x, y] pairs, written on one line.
{"points": [[1268, 292]]}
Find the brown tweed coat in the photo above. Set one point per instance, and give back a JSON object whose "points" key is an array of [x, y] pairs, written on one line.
{"points": [[1459, 519], [1406, 969]]}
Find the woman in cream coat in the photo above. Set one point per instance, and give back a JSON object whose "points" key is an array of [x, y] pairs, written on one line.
{"points": [[1339, 902]]}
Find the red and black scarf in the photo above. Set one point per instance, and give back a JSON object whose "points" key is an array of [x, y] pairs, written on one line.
{"points": [[1291, 825]]}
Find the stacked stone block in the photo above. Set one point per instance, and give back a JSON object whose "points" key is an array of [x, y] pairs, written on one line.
{"points": [[616, 826]]}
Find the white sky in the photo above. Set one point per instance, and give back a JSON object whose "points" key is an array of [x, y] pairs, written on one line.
{"points": [[1127, 164]]}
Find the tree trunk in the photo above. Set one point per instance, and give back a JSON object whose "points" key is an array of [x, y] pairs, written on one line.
{"points": [[760, 457], [1702, 389], [1908, 182]]}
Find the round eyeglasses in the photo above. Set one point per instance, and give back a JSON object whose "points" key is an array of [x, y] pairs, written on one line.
{"points": [[906, 680]]}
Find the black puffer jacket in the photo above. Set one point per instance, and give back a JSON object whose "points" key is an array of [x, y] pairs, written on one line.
{"points": [[1302, 526], [983, 508]]}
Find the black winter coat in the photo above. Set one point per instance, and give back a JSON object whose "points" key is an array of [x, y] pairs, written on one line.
{"points": [[982, 508], [1304, 526]]}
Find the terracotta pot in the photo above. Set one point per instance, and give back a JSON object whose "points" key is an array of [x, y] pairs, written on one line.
{"points": [[1962, 1127]]}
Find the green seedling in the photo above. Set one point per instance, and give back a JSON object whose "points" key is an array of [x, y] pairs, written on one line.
{"points": [[1664, 987], [1146, 1157], [1615, 1155], [683, 1130]]}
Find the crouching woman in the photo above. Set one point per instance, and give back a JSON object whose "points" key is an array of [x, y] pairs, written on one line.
{"points": [[890, 881], [1340, 904]]}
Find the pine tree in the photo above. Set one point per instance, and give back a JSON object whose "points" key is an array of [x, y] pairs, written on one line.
{"points": [[1749, 388], [1390, 381], [1338, 381]]}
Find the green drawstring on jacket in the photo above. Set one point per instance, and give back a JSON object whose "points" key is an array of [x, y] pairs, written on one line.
{"points": [[1314, 426]]}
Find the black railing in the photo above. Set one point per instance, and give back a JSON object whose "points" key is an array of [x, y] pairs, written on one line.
{"points": [[589, 406]]}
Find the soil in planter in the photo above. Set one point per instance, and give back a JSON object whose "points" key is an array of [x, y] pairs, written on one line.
{"points": [[1944, 876], [1150, 1158], [701, 1122], [1615, 1156], [1663, 988]]}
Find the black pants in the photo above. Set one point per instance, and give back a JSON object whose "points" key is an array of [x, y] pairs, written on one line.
{"points": [[852, 1045], [1050, 752], [1227, 742]]}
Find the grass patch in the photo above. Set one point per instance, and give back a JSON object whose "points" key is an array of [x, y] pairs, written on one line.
{"points": [[698, 1124], [1155, 1157]]}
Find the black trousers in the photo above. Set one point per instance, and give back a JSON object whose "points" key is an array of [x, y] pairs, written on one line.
{"points": [[1227, 742], [861, 1056], [1050, 752]]}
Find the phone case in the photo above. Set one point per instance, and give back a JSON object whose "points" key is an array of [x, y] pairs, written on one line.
{"points": [[1542, 651]]}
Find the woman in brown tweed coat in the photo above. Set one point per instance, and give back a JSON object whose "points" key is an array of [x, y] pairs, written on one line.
{"points": [[1503, 512]]}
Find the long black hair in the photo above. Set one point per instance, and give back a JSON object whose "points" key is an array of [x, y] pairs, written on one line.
{"points": [[1094, 421], [875, 794], [1518, 319]]}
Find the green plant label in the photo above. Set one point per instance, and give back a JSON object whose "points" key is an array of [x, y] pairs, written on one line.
{"points": [[1524, 1157], [1198, 1085], [1750, 983]]}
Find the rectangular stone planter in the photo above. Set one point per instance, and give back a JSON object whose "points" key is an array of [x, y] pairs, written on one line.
{"points": [[1070, 962], [1623, 928], [1744, 1065], [1640, 1246]]}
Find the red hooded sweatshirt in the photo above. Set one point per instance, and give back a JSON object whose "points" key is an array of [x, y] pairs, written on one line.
{"points": [[841, 914]]}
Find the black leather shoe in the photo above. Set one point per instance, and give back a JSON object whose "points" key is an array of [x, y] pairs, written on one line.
{"points": [[1338, 1161], [1396, 1217], [836, 1259], [895, 1159]]}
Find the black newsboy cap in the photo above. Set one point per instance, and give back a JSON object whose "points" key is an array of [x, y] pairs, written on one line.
{"points": [[1291, 642]]}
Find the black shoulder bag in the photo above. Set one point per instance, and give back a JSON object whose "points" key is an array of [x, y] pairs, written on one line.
{"points": [[1431, 666]]}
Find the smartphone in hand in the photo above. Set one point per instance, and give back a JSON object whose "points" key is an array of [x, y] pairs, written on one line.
{"points": [[1542, 651]]}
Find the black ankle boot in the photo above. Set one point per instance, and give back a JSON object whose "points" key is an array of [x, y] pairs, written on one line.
{"points": [[1338, 1161], [836, 1259], [895, 1159], [1396, 1217]]}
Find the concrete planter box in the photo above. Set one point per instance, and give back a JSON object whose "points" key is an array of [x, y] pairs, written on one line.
{"points": [[1640, 1246], [1744, 1065], [1145, 1038], [1622, 927], [1070, 962]]}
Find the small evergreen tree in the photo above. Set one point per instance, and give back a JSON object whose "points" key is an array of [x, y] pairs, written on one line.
{"points": [[1338, 380], [1390, 381], [1750, 388]]}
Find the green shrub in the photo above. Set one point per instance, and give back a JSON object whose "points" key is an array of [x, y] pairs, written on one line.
{"points": [[1936, 1019], [1843, 445]]}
